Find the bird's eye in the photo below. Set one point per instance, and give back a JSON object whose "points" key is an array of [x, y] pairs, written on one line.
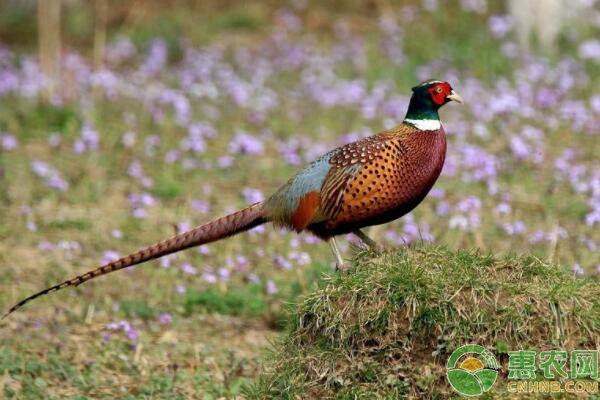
{"points": [[438, 90]]}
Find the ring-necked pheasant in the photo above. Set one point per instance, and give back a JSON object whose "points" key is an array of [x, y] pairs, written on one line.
{"points": [[368, 182]]}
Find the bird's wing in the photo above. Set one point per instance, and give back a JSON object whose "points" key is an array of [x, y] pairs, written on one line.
{"points": [[346, 164], [296, 203]]}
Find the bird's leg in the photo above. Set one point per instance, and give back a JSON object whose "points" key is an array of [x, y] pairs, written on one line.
{"points": [[339, 261], [373, 245]]}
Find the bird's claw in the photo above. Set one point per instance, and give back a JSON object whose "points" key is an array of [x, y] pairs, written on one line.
{"points": [[377, 248], [341, 267]]}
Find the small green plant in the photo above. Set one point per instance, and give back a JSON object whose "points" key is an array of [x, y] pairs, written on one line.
{"points": [[248, 301]]}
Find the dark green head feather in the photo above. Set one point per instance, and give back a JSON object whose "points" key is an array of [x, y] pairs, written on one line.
{"points": [[422, 105]]}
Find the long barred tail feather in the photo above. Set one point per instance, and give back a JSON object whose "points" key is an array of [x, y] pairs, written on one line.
{"points": [[218, 229]]}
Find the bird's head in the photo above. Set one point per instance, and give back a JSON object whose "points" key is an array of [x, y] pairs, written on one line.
{"points": [[435, 92], [427, 98]]}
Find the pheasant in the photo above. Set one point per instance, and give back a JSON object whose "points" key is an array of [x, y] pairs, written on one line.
{"points": [[368, 182]]}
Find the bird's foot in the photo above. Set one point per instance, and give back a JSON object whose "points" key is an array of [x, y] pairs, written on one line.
{"points": [[377, 248], [340, 265], [343, 267], [370, 243]]}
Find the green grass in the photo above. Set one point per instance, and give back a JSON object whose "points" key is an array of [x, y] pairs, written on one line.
{"points": [[175, 364], [248, 302], [55, 348], [387, 328]]}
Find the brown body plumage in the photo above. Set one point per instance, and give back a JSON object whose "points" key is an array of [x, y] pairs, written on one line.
{"points": [[397, 169]]}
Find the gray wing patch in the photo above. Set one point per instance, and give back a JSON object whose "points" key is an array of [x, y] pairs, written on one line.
{"points": [[282, 205]]}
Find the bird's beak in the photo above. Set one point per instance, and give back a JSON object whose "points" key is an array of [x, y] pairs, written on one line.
{"points": [[455, 97]]}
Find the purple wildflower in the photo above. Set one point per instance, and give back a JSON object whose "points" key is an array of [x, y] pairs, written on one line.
{"points": [[302, 258], [204, 249], [476, 6], [503, 208], [311, 239], [120, 50], [241, 263], [225, 161], [437, 193], [282, 262], [156, 59], [8, 142], [187, 268], [151, 144], [500, 25], [165, 262], [183, 226], [88, 140], [595, 103], [224, 274], [252, 195], [243, 143], [45, 245], [431, 5], [165, 319], [135, 169], [590, 50], [271, 288], [459, 222], [51, 175], [112, 326], [172, 156], [519, 147], [132, 334], [124, 326], [252, 278], [57, 183], [209, 277], [110, 256], [258, 230], [139, 213], [442, 209], [516, 228], [106, 336]]}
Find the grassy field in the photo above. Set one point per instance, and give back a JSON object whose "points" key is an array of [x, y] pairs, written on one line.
{"points": [[199, 112]]}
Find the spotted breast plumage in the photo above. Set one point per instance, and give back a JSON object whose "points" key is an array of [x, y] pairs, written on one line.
{"points": [[395, 171], [368, 182]]}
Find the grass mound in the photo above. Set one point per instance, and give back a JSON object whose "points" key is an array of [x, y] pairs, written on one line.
{"points": [[387, 328]]}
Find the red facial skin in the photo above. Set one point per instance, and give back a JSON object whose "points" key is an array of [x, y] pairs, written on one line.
{"points": [[439, 91]]}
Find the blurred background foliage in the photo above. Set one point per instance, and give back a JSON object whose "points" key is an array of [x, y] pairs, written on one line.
{"points": [[122, 122]]}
